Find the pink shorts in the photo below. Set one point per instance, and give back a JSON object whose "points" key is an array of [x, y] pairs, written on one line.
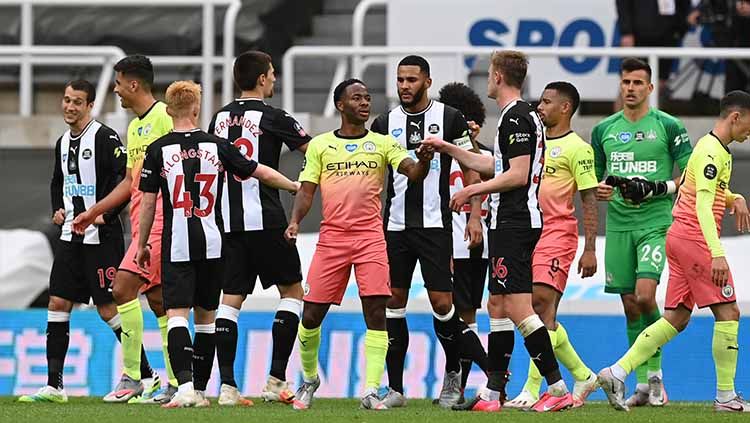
{"points": [[332, 263], [153, 277], [552, 259], [690, 280]]}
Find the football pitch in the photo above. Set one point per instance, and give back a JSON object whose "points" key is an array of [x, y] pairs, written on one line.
{"points": [[337, 410]]}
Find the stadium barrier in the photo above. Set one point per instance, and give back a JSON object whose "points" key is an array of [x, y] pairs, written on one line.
{"points": [[94, 358]]}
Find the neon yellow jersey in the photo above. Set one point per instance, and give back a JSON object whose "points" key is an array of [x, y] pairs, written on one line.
{"points": [[351, 173], [142, 131], [704, 194], [568, 167]]}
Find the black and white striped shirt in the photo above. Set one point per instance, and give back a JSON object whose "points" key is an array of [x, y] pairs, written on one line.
{"points": [[189, 169], [258, 130], [421, 204], [520, 132], [460, 220], [87, 167]]}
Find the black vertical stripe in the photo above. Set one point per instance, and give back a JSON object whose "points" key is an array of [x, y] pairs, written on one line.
{"points": [[234, 189], [445, 190], [269, 151], [73, 169], [414, 196]]}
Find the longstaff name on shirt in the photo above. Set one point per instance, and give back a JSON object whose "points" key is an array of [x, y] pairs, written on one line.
{"points": [[192, 153], [238, 120]]}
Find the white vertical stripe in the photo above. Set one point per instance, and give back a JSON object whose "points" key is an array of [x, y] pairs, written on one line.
{"points": [[396, 214], [536, 171], [87, 172], [67, 227], [431, 214], [223, 132], [253, 215], [460, 246], [210, 229], [180, 248]]}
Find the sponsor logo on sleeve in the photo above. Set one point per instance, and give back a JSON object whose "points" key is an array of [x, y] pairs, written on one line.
{"points": [[519, 137], [710, 171]]}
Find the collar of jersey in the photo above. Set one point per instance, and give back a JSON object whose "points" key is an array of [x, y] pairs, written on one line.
{"points": [[417, 113], [249, 99], [143, 116], [351, 137], [719, 141], [508, 106], [185, 132], [560, 136], [85, 128]]}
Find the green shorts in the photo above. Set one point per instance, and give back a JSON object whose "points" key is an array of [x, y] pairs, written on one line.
{"points": [[633, 255]]}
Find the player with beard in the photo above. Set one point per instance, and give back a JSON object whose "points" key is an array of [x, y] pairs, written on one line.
{"points": [[418, 226]]}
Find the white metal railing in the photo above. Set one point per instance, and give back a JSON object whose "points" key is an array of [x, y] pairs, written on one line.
{"points": [[460, 52], [207, 58], [106, 56]]}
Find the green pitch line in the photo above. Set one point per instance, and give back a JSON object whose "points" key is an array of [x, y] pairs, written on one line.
{"points": [[336, 410]]}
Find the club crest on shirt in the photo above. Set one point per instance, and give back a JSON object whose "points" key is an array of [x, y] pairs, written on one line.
{"points": [[415, 138], [144, 130], [351, 148], [651, 135], [624, 137], [397, 132], [369, 146], [555, 151]]}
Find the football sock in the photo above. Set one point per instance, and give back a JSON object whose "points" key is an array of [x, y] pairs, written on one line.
{"points": [[309, 343], [376, 348], [534, 379], [180, 350], [654, 363], [567, 355], [634, 329], [163, 329], [446, 329], [499, 351], [539, 346], [284, 331], [398, 343], [132, 340], [651, 339], [226, 342], [203, 354], [725, 349], [115, 324], [58, 338]]}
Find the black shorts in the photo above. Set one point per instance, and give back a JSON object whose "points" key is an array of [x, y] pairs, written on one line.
{"points": [[510, 259], [192, 283], [433, 248], [265, 254], [82, 271], [468, 282]]}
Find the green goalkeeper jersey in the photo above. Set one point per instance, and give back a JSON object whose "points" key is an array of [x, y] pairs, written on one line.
{"points": [[648, 148]]}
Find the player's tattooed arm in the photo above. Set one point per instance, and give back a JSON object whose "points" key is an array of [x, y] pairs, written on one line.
{"points": [[146, 221], [302, 203], [587, 262]]}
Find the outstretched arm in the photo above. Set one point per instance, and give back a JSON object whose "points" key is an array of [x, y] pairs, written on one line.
{"points": [[481, 163], [302, 203]]}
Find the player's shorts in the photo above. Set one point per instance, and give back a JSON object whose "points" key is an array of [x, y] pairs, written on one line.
{"points": [[153, 277], [633, 255], [468, 282], [192, 283], [552, 259], [81, 271], [332, 263], [265, 254], [690, 281], [510, 260], [433, 248]]}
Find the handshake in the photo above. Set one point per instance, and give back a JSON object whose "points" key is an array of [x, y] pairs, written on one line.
{"points": [[638, 189]]}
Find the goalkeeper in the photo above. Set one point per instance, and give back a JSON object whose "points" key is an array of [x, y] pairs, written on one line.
{"points": [[639, 145]]}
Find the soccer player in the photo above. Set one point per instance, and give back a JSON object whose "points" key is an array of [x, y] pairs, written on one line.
{"points": [[638, 142], [134, 77], [188, 166], [89, 163], [418, 226], [349, 164], [515, 225], [698, 270], [469, 261], [254, 244], [568, 167]]}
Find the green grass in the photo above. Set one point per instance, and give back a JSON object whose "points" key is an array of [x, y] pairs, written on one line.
{"points": [[336, 410]]}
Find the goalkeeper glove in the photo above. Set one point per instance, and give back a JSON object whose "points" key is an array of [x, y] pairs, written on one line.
{"points": [[638, 189]]}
